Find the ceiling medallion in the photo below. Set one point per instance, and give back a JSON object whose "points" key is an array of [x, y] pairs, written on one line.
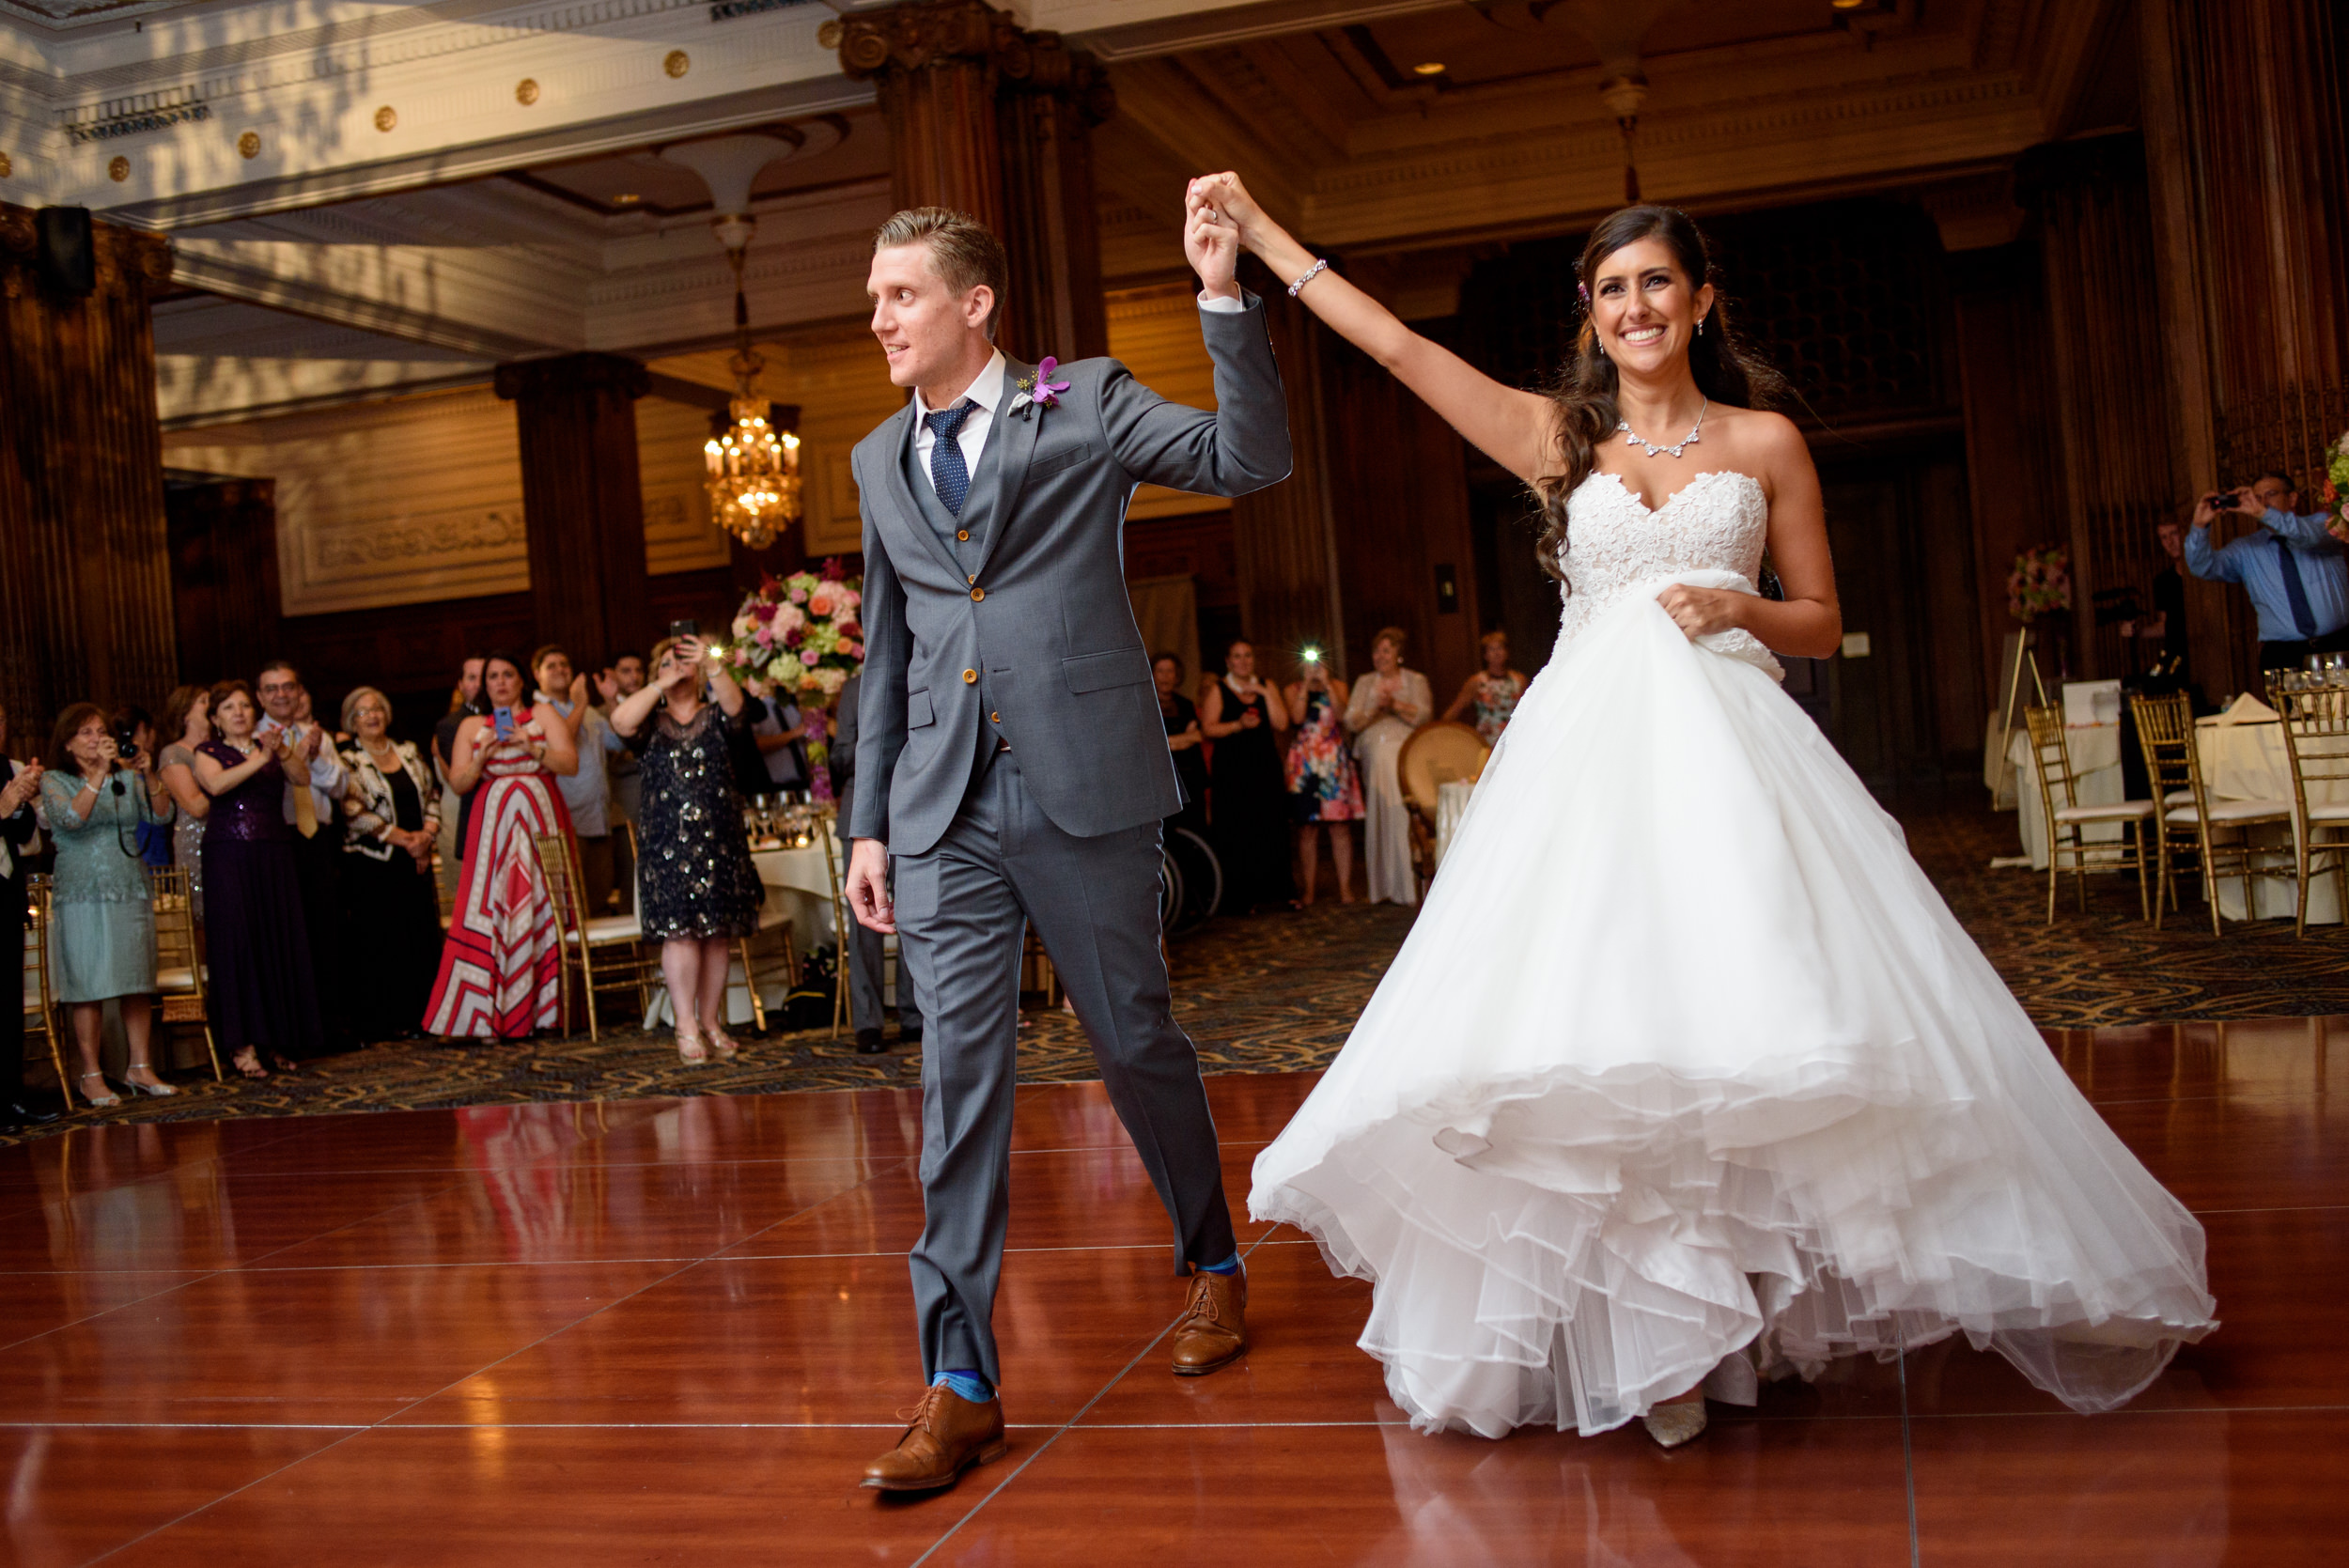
{"points": [[829, 33], [386, 117], [677, 64], [250, 143], [526, 92], [118, 170]]}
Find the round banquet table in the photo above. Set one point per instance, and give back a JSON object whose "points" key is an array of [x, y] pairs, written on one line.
{"points": [[2248, 762], [2095, 775]]}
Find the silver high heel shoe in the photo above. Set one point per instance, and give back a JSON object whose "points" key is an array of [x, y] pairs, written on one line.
{"points": [[100, 1102], [1672, 1425], [158, 1090]]}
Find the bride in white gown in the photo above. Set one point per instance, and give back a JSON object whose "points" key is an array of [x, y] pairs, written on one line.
{"points": [[1686, 1077]]}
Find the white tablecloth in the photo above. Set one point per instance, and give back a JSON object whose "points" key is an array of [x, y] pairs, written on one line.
{"points": [[2248, 762], [2095, 774], [1452, 804]]}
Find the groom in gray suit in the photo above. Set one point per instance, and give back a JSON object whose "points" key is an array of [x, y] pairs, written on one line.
{"points": [[1013, 765]]}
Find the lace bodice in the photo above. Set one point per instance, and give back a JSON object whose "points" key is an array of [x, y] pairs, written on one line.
{"points": [[1718, 521]]}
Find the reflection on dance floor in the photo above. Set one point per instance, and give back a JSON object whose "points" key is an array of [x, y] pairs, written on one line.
{"points": [[638, 1330]]}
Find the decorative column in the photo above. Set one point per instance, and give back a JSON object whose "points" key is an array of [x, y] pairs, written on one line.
{"points": [[992, 119], [2248, 164], [85, 607], [582, 501]]}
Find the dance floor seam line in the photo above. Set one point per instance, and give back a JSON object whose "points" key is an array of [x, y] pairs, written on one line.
{"points": [[1908, 1466]]}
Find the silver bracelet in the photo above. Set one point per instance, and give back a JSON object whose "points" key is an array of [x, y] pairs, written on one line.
{"points": [[1310, 272]]}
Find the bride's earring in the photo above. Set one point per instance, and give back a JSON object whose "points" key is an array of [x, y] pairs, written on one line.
{"points": [[1700, 326]]}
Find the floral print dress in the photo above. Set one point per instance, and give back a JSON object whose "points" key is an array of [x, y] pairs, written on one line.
{"points": [[1323, 784]]}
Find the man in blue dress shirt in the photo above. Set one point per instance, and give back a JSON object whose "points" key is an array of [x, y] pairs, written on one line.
{"points": [[2295, 571]]}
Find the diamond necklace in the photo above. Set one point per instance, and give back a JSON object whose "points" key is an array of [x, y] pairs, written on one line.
{"points": [[1688, 440]]}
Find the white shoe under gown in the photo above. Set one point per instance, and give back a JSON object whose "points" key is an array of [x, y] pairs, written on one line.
{"points": [[1687, 1069]]}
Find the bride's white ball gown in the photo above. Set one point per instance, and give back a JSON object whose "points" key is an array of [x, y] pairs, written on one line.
{"points": [[1686, 1070]]}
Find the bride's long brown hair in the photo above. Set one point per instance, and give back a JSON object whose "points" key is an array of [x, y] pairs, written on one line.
{"points": [[1585, 393]]}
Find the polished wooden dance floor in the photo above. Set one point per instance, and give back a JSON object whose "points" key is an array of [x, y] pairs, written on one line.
{"points": [[671, 1331]]}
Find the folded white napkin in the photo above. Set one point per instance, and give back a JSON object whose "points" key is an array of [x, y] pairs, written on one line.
{"points": [[2248, 709]]}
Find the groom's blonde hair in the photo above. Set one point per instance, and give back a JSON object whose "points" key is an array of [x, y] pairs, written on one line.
{"points": [[964, 251]]}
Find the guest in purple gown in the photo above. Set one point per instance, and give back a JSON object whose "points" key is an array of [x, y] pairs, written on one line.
{"points": [[263, 998]]}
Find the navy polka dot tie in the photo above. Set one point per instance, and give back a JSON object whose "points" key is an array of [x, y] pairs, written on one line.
{"points": [[951, 475]]}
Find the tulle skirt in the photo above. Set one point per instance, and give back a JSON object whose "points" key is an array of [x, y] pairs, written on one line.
{"points": [[1685, 1072]]}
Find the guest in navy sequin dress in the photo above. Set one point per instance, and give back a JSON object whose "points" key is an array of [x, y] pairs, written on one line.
{"points": [[697, 889], [264, 1002]]}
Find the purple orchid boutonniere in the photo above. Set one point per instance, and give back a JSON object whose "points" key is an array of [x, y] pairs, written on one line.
{"points": [[1039, 390]]}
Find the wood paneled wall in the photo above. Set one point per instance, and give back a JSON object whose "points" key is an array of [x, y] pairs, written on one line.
{"points": [[1283, 539], [224, 577], [85, 597]]}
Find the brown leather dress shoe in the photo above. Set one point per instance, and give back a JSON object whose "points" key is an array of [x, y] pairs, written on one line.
{"points": [[1214, 1331], [949, 1434]]}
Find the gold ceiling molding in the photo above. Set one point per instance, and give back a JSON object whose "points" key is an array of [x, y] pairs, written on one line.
{"points": [[249, 145], [526, 92], [676, 62], [386, 117]]}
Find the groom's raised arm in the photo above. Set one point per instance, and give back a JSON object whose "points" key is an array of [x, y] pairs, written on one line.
{"points": [[1242, 447], [881, 697]]}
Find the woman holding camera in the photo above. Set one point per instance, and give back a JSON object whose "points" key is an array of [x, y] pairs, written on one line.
{"points": [[102, 926], [698, 889], [1325, 792], [501, 967]]}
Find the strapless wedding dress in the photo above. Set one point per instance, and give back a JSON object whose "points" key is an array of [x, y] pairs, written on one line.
{"points": [[1686, 1071]]}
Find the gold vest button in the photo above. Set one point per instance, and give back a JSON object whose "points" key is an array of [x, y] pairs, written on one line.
{"points": [[978, 594], [970, 677], [962, 533], [994, 718]]}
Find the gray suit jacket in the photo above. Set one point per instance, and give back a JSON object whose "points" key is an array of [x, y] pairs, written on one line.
{"points": [[1039, 644]]}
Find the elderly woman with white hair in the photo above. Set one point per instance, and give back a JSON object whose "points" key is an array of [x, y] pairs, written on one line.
{"points": [[391, 815]]}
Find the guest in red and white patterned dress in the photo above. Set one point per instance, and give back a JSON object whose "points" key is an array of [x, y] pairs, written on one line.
{"points": [[501, 968]]}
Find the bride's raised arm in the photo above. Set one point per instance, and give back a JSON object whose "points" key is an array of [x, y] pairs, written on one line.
{"points": [[1516, 429]]}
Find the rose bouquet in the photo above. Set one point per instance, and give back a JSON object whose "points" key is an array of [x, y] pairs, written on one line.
{"points": [[2333, 494], [2040, 584], [800, 639]]}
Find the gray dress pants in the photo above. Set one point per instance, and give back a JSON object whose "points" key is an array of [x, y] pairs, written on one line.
{"points": [[963, 910]]}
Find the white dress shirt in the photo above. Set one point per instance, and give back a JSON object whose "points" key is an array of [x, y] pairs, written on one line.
{"points": [[985, 393]]}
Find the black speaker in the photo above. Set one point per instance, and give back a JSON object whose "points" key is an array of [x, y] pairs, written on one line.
{"points": [[69, 254]]}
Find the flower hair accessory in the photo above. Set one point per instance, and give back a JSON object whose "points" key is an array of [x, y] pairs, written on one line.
{"points": [[1039, 390], [1582, 291]]}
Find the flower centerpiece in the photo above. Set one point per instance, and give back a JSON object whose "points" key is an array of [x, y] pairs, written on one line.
{"points": [[800, 639], [2040, 586], [2333, 495]]}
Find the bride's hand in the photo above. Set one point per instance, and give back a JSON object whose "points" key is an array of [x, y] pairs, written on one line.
{"points": [[1211, 245], [1701, 611], [1230, 199]]}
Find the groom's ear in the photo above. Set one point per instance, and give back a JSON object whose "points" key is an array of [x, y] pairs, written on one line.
{"points": [[978, 309]]}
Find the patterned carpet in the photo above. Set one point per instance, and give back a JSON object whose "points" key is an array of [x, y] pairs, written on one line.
{"points": [[1279, 993]]}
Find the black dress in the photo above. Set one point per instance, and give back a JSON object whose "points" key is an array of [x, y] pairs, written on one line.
{"points": [[694, 857], [394, 918], [256, 944], [1191, 769], [1250, 810]]}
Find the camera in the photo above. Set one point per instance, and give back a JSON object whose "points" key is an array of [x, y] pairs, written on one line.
{"points": [[688, 627], [126, 743], [2224, 501]]}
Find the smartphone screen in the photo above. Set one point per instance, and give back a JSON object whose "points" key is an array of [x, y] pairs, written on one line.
{"points": [[504, 723]]}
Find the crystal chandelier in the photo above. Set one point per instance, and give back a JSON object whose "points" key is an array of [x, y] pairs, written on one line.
{"points": [[753, 468]]}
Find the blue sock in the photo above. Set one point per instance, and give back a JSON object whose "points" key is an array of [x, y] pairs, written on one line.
{"points": [[1229, 1265], [966, 1385]]}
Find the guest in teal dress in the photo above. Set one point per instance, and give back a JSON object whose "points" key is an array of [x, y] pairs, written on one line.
{"points": [[102, 936]]}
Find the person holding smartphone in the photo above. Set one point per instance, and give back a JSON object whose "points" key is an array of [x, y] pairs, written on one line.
{"points": [[102, 936], [1325, 792], [2295, 571], [501, 974]]}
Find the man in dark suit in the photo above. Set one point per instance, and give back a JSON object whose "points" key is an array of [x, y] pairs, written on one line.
{"points": [[20, 786], [1012, 763], [865, 955]]}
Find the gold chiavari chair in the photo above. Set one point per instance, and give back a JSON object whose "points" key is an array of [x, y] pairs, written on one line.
{"points": [[40, 1005], [2068, 818], [2316, 740], [2173, 761], [178, 964], [607, 950]]}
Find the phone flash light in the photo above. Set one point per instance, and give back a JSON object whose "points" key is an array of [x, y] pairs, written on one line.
{"points": [[1311, 654]]}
